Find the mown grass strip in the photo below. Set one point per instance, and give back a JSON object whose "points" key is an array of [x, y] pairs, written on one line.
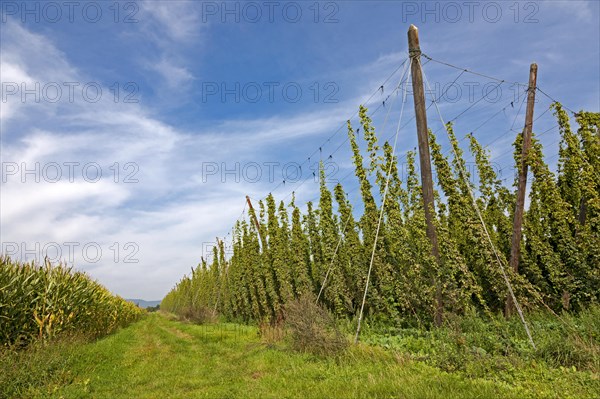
{"points": [[162, 358]]}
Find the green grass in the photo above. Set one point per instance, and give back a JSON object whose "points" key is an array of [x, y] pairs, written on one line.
{"points": [[161, 358]]}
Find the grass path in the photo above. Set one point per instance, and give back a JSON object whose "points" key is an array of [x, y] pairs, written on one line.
{"points": [[160, 358]]}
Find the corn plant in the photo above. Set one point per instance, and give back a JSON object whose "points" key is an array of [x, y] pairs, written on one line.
{"points": [[41, 301]]}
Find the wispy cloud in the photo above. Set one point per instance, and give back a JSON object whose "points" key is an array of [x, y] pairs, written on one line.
{"points": [[171, 26], [171, 21], [175, 76], [167, 213]]}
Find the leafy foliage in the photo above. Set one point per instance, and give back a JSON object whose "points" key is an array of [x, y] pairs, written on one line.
{"points": [[278, 260], [43, 301]]}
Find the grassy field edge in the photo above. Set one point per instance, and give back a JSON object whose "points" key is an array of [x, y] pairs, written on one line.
{"points": [[162, 357]]}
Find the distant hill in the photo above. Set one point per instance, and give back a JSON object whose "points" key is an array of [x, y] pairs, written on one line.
{"points": [[144, 304]]}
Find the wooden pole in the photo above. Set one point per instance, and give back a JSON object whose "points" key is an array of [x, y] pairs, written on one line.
{"points": [[515, 249], [424, 158]]}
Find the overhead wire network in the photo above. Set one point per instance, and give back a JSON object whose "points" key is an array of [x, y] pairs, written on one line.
{"points": [[523, 90], [542, 132], [478, 100], [435, 101], [481, 98], [319, 149], [409, 121]]}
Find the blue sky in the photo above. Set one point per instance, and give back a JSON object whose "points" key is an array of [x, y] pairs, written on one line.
{"points": [[167, 96]]}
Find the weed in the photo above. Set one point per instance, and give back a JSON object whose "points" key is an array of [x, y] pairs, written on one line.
{"points": [[198, 315], [312, 328]]}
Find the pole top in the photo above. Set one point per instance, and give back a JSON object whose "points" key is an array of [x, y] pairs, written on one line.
{"points": [[413, 41]]}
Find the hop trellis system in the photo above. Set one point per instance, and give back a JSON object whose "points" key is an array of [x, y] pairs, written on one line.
{"points": [[422, 248]]}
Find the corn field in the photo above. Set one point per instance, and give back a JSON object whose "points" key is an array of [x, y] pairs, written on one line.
{"points": [[41, 301]]}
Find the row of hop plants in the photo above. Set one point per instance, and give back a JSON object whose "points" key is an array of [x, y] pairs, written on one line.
{"points": [[288, 253], [39, 302]]}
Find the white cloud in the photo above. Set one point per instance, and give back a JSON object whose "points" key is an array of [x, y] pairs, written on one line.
{"points": [[28, 62], [178, 20], [12, 78], [171, 26], [167, 215], [174, 75]]}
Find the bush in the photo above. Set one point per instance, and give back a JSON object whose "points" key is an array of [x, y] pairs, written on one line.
{"points": [[312, 328], [151, 309]]}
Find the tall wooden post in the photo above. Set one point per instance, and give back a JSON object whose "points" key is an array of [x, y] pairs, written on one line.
{"points": [[515, 249], [424, 158]]}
